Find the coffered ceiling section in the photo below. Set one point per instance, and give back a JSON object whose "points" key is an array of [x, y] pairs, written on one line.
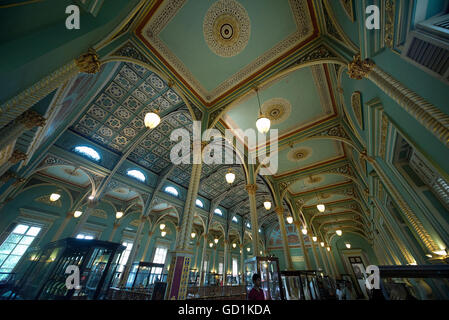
{"points": [[215, 46]]}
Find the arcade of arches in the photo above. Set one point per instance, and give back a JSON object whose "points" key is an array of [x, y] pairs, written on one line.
{"points": [[362, 122]]}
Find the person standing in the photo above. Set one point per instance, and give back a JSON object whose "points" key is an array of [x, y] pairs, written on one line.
{"points": [[256, 292]]}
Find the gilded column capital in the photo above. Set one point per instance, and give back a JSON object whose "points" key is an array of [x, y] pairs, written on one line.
{"points": [[279, 211], [7, 176], [115, 226], [31, 119], [18, 182], [251, 188], [143, 218], [297, 223], [17, 156], [88, 62], [241, 246], [359, 69]]}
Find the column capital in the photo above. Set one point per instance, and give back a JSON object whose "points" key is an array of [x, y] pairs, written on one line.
{"points": [[143, 218], [17, 156], [31, 119], [18, 182], [359, 69], [297, 223], [115, 226], [150, 233], [279, 211], [88, 62], [251, 188], [7, 176], [241, 246]]}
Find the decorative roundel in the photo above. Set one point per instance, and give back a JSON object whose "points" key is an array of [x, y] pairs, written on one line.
{"points": [[277, 110], [313, 180], [73, 173], [299, 154], [226, 28]]}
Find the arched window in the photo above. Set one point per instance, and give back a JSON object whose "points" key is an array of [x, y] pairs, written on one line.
{"points": [[199, 203], [137, 174], [218, 211], [171, 190], [88, 152]]}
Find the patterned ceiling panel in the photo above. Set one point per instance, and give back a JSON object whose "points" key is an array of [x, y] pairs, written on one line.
{"points": [[115, 116], [213, 182], [153, 152]]}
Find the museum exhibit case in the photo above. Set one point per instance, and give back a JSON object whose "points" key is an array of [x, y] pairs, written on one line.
{"points": [[144, 275], [304, 285], [426, 282], [46, 270], [268, 268], [213, 279]]}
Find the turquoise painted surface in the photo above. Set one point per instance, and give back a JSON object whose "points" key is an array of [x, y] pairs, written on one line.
{"points": [[298, 88], [271, 20]]}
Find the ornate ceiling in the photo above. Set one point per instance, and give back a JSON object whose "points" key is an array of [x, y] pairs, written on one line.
{"points": [[217, 52], [214, 48]]}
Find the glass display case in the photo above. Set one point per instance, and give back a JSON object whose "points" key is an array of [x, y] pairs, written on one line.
{"points": [[194, 277], [268, 268], [45, 274], [213, 279], [302, 285], [425, 282], [144, 275]]}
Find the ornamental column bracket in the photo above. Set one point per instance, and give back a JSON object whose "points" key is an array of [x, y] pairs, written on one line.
{"points": [[424, 112], [251, 188], [88, 62]]}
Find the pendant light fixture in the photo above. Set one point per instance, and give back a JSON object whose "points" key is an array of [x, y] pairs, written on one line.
{"points": [[320, 206], [315, 239], [54, 197], [339, 232], [263, 123], [163, 233], [77, 214], [290, 219], [216, 240], [162, 226], [328, 248], [193, 235], [211, 244], [152, 119], [119, 214], [234, 245], [322, 244], [267, 204], [304, 230], [348, 245], [230, 176]]}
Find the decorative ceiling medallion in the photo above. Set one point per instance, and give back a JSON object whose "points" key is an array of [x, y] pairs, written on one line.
{"points": [[356, 104], [313, 180], [299, 154], [226, 28], [71, 172], [277, 110]]}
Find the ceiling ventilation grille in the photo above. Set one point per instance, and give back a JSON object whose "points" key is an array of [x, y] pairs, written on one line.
{"points": [[429, 53]]}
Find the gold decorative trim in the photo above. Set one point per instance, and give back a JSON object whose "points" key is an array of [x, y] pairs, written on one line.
{"points": [[170, 8], [356, 104]]}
